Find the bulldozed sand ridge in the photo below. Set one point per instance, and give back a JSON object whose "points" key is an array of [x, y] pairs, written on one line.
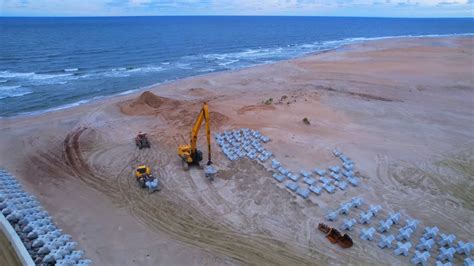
{"points": [[402, 109]]}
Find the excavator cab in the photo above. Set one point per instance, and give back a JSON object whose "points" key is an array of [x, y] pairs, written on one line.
{"points": [[189, 153]]}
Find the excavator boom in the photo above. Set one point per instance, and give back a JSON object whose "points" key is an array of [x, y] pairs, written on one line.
{"points": [[203, 117]]}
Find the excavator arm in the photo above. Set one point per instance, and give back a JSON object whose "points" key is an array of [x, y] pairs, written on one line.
{"points": [[203, 116]]}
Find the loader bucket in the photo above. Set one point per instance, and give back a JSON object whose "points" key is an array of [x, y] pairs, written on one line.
{"points": [[210, 171], [153, 185]]}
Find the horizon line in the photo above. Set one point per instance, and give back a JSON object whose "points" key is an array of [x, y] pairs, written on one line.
{"points": [[137, 16]]}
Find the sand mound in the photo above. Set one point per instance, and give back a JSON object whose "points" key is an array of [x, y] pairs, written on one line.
{"points": [[147, 104], [255, 108], [199, 92]]}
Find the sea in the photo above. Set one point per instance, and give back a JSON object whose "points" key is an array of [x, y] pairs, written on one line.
{"points": [[49, 64]]}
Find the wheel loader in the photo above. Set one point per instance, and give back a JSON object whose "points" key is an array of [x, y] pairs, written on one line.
{"points": [[145, 178], [189, 153]]}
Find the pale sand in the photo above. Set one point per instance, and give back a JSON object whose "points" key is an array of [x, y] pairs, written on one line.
{"points": [[402, 109]]}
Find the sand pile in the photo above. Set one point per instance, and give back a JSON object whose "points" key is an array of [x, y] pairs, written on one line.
{"points": [[147, 104]]}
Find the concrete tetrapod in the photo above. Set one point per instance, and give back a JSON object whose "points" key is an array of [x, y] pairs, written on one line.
{"points": [[386, 241], [420, 258]]}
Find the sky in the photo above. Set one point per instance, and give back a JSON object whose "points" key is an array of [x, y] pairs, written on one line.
{"points": [[367, 8]]}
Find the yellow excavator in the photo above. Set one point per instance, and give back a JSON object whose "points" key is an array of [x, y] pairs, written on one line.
{"points": [[189, 153]]}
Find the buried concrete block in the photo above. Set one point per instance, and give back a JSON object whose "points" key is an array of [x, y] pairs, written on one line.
{"points": [[357, 202], [464, 248], [439, 263], [347, 224], [265, 139], [337, 153], [319, 172], [335, 169], [348, 166], [278, 177], [325, 180], [292, 186], [315, 189], [386, 241], [365, 217], [332, 216], [354, 181], [305, 173], [293, 177], [374, 209], [345, 208], [430, 232], [446, 254], [420, 258], [425, 244], [283, 170], [367, 233], [275, 164], [304, 193], [384, 226], [402, 248], [342, 185], [329, 188], [404, 234], [446, 240], [348, 173], [335, 176], [395, 217], [308, 180]]}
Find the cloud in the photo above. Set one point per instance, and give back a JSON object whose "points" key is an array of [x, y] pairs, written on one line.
{"points": [[236, 7]]}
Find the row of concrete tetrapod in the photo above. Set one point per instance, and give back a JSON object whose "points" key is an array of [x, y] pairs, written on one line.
{"points": [[318, 180], [44, 241], [248, 143], [400, 242], [240, 143]]}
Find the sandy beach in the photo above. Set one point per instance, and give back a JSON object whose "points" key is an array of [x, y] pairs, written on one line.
{"points": [[402, 109]]}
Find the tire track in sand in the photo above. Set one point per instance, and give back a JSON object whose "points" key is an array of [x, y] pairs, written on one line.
{"points": [[169, 213]]}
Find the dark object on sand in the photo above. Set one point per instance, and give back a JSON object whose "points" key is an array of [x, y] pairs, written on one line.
{"points": [[335, 237]]}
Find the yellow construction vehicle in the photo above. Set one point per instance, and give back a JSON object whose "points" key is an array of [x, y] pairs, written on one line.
{"points": [[145, 179], [189, 153]]}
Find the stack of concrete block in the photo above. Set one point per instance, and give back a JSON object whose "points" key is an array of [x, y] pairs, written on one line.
{"points": [[43, 240]]}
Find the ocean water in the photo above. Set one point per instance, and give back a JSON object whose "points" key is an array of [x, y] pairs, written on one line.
{"points": [[53, 63]]}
